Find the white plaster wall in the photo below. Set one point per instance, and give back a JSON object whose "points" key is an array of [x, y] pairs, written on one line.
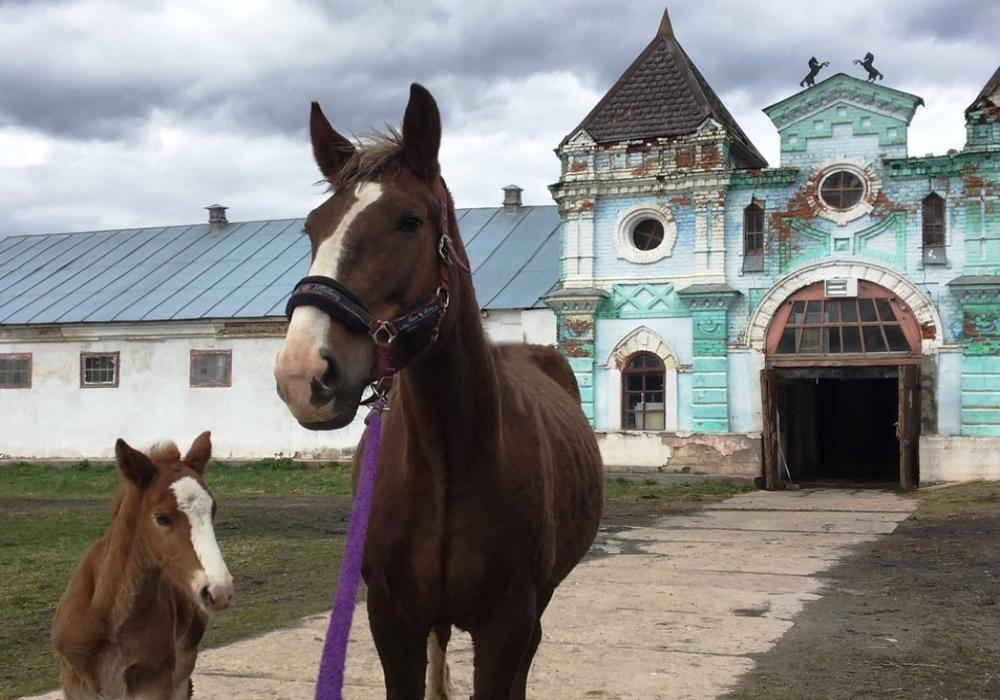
{"points": [[516, 326], [955, 458], [633, 451], [56, 418]]}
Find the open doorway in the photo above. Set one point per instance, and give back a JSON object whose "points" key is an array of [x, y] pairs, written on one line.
{"points": [[838, 424]]}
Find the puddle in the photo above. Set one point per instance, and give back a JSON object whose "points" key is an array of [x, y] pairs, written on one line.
{"points": [[606, 544]]}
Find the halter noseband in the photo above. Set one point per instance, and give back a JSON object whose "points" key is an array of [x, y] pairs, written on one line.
{"points": [[337, 301]]}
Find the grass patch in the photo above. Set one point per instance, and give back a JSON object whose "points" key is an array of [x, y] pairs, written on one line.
{"points": [[283, 559], [280, 525], [268, 477], [621, 488]]}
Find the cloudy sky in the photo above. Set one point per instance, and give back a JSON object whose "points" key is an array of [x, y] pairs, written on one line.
{"points": [[138, 113]]}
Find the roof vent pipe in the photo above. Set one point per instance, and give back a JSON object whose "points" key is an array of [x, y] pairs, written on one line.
{"points": [[512, 198], [217, 215]]}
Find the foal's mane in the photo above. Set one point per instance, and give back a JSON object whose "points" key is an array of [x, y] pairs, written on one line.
{"points": [[380, 152]]}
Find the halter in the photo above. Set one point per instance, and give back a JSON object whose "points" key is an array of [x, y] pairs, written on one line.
{"points": [[337, 301]]}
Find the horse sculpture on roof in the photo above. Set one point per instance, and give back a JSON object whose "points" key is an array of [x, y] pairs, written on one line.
{"points": [[489, 482]]}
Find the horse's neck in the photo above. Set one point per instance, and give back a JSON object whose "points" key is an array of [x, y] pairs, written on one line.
{"points": [[452, 395], [126, 568]]}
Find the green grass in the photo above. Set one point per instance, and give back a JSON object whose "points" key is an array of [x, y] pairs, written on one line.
{"points": [[280, 526], [283, 559], [268, 477], [620, 488]]}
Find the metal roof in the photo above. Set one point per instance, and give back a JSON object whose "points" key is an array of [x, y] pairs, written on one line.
{"points": [[239, 270]]}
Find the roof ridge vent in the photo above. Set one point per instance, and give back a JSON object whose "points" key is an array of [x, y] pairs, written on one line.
{"points": [[512, 198]]}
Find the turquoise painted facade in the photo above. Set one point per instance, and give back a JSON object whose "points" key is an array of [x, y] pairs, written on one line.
{"points": [[710, 304]]}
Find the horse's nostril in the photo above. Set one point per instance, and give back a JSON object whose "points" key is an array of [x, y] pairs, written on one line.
{"points": [[206, 596], [331, 377], [321, 393]]}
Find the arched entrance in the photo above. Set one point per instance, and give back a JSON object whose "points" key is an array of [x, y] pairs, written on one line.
{"points": [[841, 386]]}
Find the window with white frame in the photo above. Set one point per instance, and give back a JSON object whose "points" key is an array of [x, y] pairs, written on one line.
{"points": [[99, 369]]}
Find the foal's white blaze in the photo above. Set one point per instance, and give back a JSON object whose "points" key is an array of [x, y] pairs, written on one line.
{"points": [[196, 503], [308, 327]]}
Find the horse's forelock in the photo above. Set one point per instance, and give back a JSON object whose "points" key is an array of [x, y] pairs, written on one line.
{"points": [[164, 451], [381, 153]]}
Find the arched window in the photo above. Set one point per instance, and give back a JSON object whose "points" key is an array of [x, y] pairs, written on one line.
{"points": [[934, 229], [753, 237], [642, 392]]}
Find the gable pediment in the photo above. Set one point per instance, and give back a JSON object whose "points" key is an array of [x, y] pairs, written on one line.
{"points": [[842, 89]]}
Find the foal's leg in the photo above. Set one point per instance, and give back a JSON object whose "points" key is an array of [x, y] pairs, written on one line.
{"points": [[401, 649], [438, 675], [501, 643]]}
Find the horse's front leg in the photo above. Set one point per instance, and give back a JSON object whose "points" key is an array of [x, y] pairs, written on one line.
{"points": [[402, 649], [502, 643]]}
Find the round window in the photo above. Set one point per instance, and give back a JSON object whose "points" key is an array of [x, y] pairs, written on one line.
{"points": [[647, 234], [841, 190]]}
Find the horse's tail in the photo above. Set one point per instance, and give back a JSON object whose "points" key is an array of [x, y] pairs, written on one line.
{"points": [[438, 675]]}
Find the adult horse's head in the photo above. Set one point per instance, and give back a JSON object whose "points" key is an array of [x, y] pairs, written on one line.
{"points": [[378, 252], [174, 522]]}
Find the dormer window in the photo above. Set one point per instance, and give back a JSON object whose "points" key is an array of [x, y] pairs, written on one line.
{"points": [[753, 237], [934, 230]]}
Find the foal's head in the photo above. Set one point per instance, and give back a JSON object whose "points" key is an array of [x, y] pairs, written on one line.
{"points": [[377, 235], [174, 522]]}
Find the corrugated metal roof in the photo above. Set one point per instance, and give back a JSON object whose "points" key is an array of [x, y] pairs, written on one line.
{"points": [[241, 270]]}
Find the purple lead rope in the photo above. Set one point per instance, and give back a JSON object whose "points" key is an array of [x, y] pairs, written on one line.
{"points": [[330, 684]]}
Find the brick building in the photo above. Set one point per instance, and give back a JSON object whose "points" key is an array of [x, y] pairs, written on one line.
{"points": [[839, 309]]}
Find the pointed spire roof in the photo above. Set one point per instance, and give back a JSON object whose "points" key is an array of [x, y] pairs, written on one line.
{"points": [[663, 94], [991, 88]]}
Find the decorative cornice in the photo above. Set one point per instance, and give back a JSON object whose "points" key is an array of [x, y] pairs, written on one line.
{"points": [[843, 88], [575, 301]]}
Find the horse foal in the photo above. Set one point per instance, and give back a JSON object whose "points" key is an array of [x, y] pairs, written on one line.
{"points": [[130, 620]]}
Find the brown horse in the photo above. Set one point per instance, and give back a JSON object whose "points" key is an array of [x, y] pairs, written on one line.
{"points": [[129, 623], [489, 484]]}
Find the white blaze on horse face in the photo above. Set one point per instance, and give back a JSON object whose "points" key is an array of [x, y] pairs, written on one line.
{"points": [[196, 503], [308, 327]]}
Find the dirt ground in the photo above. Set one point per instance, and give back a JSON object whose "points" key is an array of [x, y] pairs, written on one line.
{"points": [[913, 615]]}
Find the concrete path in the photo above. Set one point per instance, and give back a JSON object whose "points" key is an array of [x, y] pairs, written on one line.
{"points": [[669, 611]]}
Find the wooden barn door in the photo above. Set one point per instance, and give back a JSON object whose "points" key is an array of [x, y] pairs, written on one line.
{"points": [[908, 428], [769, 430]]}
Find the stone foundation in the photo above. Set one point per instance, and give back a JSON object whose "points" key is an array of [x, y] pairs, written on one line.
{"points": [[724, 454]]}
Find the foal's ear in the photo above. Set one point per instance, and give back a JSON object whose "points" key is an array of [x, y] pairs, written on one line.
{"points": [[200, 452], [422, 132], [330, 149], [134, 465]]}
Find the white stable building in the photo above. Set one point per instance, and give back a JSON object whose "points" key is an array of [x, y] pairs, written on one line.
{"points": [[164, 332]]}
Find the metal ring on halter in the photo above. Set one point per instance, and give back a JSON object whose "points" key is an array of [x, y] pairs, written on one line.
{"points": [[386, 327], [444, 247]]}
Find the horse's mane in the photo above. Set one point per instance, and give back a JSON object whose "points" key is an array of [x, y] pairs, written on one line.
{"points": [[380, 152]]}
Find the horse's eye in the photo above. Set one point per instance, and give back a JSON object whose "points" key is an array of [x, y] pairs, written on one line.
{"points": [[410, 223], [163, 520]]}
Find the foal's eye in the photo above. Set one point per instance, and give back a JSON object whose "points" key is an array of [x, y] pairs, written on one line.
{"points": [[163, 520], [410, 223]]}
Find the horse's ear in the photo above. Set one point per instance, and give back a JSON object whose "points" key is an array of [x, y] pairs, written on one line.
{"points": [[200, 452], [330, 149], [134, 465], [422, 132]]}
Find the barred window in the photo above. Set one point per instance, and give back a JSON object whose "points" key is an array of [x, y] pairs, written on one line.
{"points": [[211, 368], [99, 369], [15, 371]]}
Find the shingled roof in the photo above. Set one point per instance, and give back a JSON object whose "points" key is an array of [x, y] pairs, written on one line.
{"points": [[663, 94], [991, 88]]}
